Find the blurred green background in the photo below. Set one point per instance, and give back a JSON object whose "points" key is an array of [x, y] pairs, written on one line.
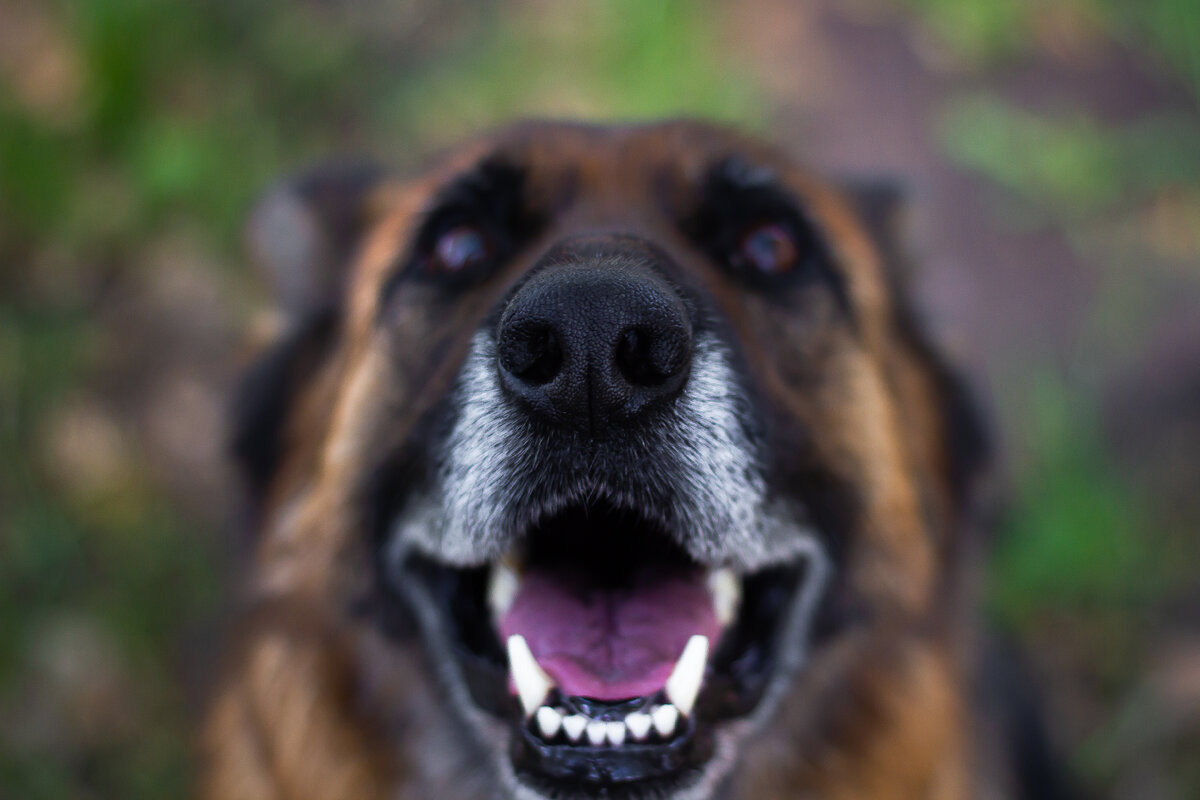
{"points": [[1052, 152]]}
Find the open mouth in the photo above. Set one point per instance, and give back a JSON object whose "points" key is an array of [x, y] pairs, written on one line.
{"points": [[614, 655]]}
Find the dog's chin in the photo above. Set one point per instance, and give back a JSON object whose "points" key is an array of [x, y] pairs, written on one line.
{"points": [[597, 657]]}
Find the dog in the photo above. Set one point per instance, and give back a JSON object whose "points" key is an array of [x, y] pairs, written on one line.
{"points": [[603, 462]]}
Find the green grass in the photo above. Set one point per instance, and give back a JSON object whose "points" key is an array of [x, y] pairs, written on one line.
{"points": [[1071, 167], [1165, 33], [617, 60], [1074, 541]]}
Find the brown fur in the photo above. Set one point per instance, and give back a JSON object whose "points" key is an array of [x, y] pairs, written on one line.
{"points": [[319, 703]]}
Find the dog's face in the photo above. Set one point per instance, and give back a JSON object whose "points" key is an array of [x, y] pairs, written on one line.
{"points": [[631, 426]]}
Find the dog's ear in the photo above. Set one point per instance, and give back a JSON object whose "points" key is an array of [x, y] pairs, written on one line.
{"points": [[880, 205], [305, 228], [302, 235]]}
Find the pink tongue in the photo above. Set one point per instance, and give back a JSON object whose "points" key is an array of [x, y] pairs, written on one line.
{"points": [[607, 643]]}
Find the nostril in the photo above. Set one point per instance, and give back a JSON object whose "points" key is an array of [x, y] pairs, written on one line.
{"points": [[633, 358], [646, 359], [531, 352]]}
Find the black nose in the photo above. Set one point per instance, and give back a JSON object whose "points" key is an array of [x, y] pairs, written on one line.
{"points": [[595, 342]]}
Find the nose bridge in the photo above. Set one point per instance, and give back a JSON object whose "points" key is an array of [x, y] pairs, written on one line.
{"points": [[607, 291], [596, 337]]}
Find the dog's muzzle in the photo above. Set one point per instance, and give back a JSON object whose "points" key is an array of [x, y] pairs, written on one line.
{"points": [[597, 552]]}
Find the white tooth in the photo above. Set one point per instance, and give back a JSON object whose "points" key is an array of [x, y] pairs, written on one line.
{"points": [[665, 718], [596, 732], [616, 733], [533, 684], [726, 590], [502, 589], [684, 683], [574, 726], [638, 724], [549, 721]]}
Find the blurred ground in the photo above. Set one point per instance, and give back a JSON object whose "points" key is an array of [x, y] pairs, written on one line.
{"points": [[1052, 157]]}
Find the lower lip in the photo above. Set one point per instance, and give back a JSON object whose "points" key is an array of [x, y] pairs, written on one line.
{"points": [[626, 764]]}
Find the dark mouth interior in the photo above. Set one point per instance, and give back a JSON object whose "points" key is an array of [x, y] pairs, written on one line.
{"points": [[604, 549]]}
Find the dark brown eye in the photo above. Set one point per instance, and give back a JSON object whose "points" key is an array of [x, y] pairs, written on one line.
{"points": [[459, 249], [769, 249]]}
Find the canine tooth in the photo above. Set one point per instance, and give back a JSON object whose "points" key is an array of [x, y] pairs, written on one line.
{"points": [[503, 584], [616, 733], [533, 684], [574, 726], [597, 731], [549, 721], [726, 591], [638, 725], [665, 719], [684, 683]]}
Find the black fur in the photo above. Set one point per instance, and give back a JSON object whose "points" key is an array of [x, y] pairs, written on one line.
{"points": [[1009, 701], [263, 398]]}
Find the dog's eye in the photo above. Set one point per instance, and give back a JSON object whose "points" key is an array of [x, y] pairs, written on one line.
{"points": [[460, 249], [769, 249]]}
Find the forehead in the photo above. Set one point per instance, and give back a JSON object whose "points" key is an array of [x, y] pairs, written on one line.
{"points": [[655, 164], [591, 163], [599, 150]]}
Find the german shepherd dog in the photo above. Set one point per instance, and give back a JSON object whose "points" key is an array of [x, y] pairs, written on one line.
{"points": [[600, 462]]}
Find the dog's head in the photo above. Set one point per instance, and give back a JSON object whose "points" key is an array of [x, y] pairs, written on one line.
{"points": [[633, 427]]}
